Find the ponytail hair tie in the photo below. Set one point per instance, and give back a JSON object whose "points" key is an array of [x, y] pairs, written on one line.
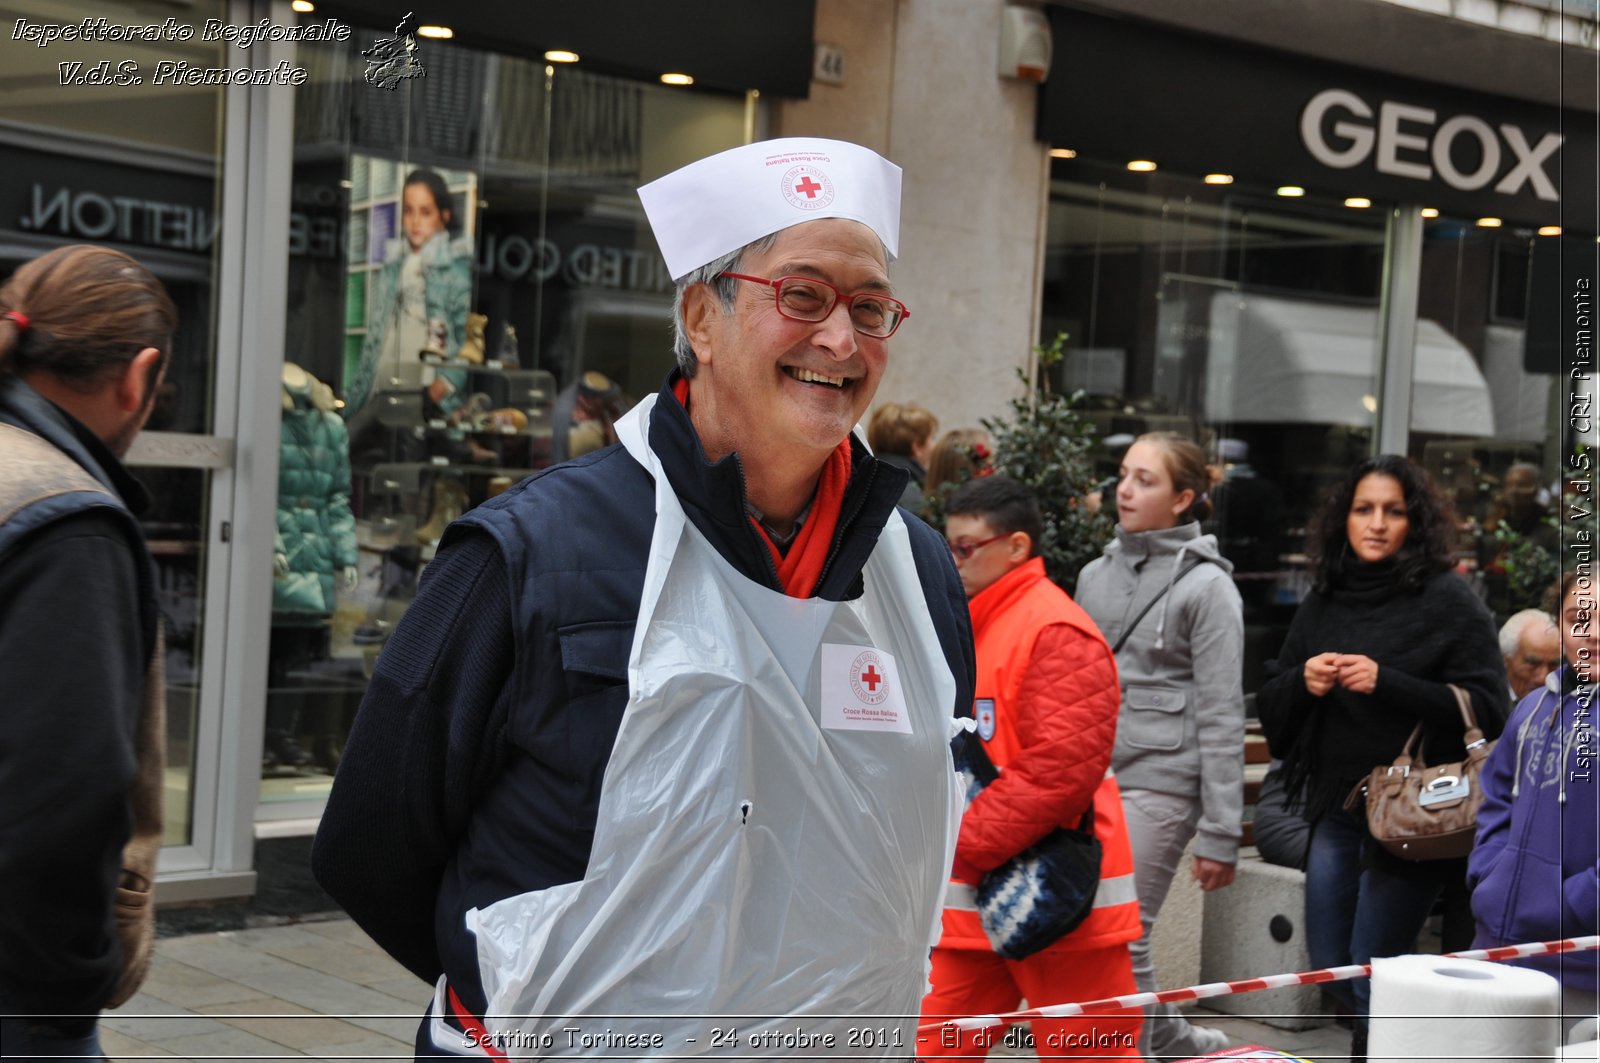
{"points": [[17, 318]]}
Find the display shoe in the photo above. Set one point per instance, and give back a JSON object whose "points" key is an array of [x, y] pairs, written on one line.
{"points": [[449, 502], [472, 347], [507, 421], [438, 336], [371, 632], [328, 753], [287, 749], [508, 347], [474, 413]]}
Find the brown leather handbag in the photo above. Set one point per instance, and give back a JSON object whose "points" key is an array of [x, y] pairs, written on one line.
{"points": [[1418, 812]]}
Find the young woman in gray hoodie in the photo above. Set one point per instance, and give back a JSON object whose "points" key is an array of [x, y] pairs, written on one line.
{"points": [[1179, 755]]}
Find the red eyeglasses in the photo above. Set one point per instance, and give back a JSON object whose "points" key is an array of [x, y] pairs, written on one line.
{"points": [[964, 551], [808, 299]]}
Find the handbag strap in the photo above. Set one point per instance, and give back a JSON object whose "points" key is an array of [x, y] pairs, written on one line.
{"points": [[1151, 604], [1472, 735], [1471, 732]]}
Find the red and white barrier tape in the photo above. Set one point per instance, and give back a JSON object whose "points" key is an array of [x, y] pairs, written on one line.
{"points": [[1246, 985]]}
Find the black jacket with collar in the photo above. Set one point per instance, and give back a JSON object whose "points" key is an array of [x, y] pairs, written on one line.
{"points": [[77, 628], [473, 770]]}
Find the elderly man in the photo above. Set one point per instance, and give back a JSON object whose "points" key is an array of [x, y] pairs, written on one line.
{"points": [[1530, 642], [665, 733]]}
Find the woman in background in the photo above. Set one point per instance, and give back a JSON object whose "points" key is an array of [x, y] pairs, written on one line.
{"points": [[1385, 627], [901, 434], [1179, 756]]}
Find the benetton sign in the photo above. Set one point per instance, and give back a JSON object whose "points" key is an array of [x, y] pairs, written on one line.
{"points": [[1121, 89], [1413, 142]]}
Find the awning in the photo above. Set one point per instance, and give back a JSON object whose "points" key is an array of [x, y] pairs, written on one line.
{"points": [[1288, 360], [1522, 400]]}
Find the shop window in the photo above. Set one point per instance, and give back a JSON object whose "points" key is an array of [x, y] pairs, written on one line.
{"points": [[1482, 423], [1245, 321], [473, 295], [136, 169]]}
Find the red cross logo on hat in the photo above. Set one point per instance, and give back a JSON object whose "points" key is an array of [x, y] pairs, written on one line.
{"points": [[867, 678], [807, 187]]}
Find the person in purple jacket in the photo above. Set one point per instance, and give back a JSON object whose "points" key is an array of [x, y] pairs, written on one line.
{"points": [[1535, 868]]}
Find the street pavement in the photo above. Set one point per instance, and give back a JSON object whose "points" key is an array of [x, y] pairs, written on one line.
{"points": [[319, 988]]}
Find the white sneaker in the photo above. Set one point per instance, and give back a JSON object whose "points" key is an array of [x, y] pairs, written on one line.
{"points": [[1186, 1042]]}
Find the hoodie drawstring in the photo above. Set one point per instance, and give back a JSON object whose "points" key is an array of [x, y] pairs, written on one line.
{"points": [[1172, 575]]}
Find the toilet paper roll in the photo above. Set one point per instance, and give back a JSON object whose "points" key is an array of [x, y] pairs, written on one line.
{"points": [[1465, 1010]]}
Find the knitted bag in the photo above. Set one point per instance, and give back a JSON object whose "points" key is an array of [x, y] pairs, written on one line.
{"points": [[1044, 892]]}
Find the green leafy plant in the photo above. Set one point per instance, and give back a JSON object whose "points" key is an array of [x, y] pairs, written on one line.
{"points": [[1529, 567], [1048, 443]]}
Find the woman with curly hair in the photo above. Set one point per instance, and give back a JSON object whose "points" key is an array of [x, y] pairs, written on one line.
{"points": [[1385, 627]]}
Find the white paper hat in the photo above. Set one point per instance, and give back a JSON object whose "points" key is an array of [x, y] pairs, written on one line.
{"points": [[719, 204]]}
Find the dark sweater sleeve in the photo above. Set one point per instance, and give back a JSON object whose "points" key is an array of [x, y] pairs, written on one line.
{"points": [[947, 606], [424, 745], [1472, 661], [1283, 701], [71, 654]]}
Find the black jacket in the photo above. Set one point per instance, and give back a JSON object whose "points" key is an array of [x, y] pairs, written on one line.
{"points": [[473, 769], [1421, 641], [77, 628]]}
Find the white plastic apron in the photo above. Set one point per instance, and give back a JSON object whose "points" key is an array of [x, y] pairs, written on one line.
{"points": [[753, 870]]}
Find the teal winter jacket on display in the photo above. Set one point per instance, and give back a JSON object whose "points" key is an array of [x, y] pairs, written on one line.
{"points": [[316, 533]]}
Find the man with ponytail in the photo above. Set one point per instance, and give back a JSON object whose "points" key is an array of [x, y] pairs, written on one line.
{"points": [[85, 335]]}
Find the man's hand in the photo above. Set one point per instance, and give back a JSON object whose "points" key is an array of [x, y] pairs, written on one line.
{"points": [[1212, 874], [1358, 673], [1321, 673]]}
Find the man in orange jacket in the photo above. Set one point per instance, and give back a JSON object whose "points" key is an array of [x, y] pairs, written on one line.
{"points": [[1046, 708]]}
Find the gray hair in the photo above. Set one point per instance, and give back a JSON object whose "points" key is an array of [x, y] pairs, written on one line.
{"points": [[710, 273], [1511, 630]]}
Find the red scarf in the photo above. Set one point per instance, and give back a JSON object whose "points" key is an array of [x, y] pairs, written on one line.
{"points": [[799, 571]]}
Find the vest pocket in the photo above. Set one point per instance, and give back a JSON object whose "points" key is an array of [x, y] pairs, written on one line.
{"points": [[594, 657], [1153, 718]]}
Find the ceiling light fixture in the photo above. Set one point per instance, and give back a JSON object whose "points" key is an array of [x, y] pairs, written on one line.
{"points": [[1219, 178], [1063, 153], [304, 7], [1142, 166], [1430, 212], [676, 79], [438, 33], [1490, 223], [1291, 190], [560, 55], [1359, 202], [1549, 230]]}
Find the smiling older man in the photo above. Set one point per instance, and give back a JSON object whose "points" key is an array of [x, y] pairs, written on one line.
{"points": [[666, 731]]}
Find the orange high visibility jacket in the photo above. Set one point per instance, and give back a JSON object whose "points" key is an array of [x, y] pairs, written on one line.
{"points": [[1047, 702]]}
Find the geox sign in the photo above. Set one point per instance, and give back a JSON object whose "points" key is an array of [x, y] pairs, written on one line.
{"points": [[1343, 131]]}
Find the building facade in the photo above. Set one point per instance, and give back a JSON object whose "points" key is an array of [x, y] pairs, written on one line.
{"points": [[411, 275]]}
